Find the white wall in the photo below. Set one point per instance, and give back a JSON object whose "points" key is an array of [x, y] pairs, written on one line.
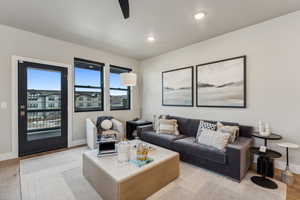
{"points": [[26, 44], [273, 81]]}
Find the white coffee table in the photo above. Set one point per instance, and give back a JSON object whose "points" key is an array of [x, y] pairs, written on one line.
{"points": [[125, 181]]}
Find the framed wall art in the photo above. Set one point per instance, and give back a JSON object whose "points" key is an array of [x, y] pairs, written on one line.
{"points": [[222, 83], [177, 87]]}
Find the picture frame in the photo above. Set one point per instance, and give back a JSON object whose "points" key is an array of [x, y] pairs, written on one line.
{"points": [[178, 87], [222, 83]]}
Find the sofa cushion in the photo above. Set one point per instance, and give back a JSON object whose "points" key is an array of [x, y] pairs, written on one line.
{"points": [[189, 146], [188, 127], [160, 139]]}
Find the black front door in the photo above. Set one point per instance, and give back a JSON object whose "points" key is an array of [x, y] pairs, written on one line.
{"points": [[42, 107]]}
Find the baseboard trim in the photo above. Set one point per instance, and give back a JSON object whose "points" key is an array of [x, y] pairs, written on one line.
{"points": [[279, 164], [8, 156], [78, 142], [13, 155]]}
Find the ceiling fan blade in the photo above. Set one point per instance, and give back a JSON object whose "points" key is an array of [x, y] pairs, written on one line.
{"points": [[125, 8]]}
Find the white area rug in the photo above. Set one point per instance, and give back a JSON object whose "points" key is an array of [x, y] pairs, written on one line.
{"points": [[58, 176]]}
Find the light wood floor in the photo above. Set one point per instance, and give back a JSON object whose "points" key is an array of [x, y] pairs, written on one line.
{"points": [[10, 188], [293, 192], [10, 182]]}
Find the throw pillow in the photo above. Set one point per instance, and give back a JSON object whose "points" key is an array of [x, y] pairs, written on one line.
{"points": [[215, 139], [168, 126], [99, 121], [106, 124], [205, 125], [232, 130]]}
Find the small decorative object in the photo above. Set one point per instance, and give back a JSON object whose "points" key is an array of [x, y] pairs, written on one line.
{"points": [[140, 163], [267, 129], [222, 83], [177, 87], [142, 152], [123, 151], [260, 126], [154, 122], [263, 149], [265, 134], [264, 129], [287, 175], [132, 153], [128, 79]]}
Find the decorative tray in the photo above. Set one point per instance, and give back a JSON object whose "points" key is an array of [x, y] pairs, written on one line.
{"points": [[140, 163]]}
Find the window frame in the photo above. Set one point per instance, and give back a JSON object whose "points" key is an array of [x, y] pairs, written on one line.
{"points": [[99, 68], [120, 89]]}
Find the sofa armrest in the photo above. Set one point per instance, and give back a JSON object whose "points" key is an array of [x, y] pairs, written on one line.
{"points": [[91, 133], [141, 129], [239, 156]]}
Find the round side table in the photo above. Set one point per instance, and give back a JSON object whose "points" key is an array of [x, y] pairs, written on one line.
{"points": [[263, 181], [261, 166], [287, 176], [273, 136]]}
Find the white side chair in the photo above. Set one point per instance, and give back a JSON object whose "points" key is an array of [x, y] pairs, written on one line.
{"points": [[91, 132]]}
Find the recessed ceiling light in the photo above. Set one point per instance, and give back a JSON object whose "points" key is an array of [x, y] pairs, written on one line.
{"points": [[199, 15], [151, 39]]}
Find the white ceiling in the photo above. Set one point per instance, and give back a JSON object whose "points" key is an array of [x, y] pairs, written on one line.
{"points": [[100, 24]]}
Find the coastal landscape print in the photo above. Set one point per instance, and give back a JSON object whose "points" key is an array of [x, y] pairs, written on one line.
{"points": [[178, 87], [221, 83]]}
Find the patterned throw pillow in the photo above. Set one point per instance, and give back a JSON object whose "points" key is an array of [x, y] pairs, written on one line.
{"points": [[232, 130], [205, 125], [168, 126], [215, 139]]}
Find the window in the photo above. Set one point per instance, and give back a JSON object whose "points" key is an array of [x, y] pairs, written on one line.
{"points": [[51, 98], [51, 105], [88, 85], [119, 94]]}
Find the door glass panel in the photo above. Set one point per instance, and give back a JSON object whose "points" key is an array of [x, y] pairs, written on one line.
{"points": [[43, 104]]}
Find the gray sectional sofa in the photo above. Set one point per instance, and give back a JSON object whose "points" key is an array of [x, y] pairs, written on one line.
{"points": [[234, 162]]}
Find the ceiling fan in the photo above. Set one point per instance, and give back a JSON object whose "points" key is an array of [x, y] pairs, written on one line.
{"points": [[124, 4]]}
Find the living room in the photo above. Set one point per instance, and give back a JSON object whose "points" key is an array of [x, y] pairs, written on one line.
{"points": [[253, 44]]}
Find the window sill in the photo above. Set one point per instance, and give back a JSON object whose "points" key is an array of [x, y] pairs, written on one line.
{"points": [[80, 111], [118, 109]]}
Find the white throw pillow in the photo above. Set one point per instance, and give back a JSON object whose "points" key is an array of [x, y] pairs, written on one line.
{"points": [[168, 126], [232, 130], [106, 124], [215, 139]]}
